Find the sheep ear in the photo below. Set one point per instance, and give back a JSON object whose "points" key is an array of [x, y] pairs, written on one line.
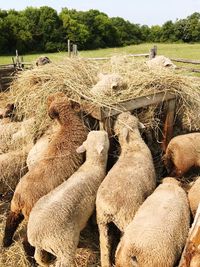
{"points": [[141, 125], [99, 149], [75, 105], [80, 149], [125, 132]]}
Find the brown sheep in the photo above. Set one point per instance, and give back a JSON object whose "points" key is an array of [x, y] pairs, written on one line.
{"points": [[8, 112], [60, 162], [42, 61], [182, 153]]}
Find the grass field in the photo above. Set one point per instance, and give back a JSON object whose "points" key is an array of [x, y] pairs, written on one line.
{"points": [[188, 51]]}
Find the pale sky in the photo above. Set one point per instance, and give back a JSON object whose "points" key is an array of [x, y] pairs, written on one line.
{"points": [[149, 12]]}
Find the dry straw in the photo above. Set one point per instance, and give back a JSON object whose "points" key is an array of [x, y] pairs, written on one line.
{"points": [[75, 77]]}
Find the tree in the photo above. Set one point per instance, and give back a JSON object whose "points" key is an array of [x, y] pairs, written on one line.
{"points": [[167, 32], [155, 34]]}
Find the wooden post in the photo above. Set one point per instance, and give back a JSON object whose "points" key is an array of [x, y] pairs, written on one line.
{"points": [[153, 52], [69, 48], [17, 59], [13, 60], [75, 50], [191, 253], [168, 125]]}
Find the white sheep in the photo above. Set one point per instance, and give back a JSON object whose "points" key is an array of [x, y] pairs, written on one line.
{"points": [[160, 62], [12, 134], [37, 152], [182, 153], [108, 84], [62, 161], [126, 185], [158, 232], [194, 196], [12, 168], [56, 220]]}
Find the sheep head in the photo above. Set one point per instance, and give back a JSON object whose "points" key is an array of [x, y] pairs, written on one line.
{"points": [[126, 122], [171, 180], [9, 111], [42, 61], [96, 140], [60, 107]]}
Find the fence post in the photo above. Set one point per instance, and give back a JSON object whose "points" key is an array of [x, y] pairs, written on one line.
{"points": [[69, 48], [74, 50], [153, 52]]}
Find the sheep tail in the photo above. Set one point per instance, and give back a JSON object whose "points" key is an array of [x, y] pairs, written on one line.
{"points": [[12, 222], [43, 257]]}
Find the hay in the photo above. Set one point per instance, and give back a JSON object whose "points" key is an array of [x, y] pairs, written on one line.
{"points": [[75, 77]]}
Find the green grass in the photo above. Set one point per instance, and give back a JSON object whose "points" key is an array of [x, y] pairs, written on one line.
{"points": [[188, 51]]}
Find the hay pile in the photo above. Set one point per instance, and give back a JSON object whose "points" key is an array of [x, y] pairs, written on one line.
{"points": [[75, 77]]}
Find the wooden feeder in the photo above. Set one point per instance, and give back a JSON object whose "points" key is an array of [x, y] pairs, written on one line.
{"points": [[102, 114]]}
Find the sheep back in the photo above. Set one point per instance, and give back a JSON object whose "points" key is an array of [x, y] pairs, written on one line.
{"points": [[158, 232], [194, 196], [182, 153]]}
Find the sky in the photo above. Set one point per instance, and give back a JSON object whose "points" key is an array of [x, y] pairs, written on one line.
{"points": [[149, 12]]}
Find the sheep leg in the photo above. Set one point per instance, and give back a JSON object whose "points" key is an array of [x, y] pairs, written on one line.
{"points": [[12, 222], [104, 245], [66, 254], [29, 250], [43, 257]]}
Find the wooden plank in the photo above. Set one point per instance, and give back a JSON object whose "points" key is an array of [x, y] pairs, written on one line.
{"points": [[169, 122], [191, 252], [189, 69], [138, 102], [185, 60], [108, 58]]}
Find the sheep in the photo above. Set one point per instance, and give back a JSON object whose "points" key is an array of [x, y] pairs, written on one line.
{"points": [[56, 220], [107, 84], [37, 152], [42, 61], [194, 196], [182, 153], [160, 61], [60, 163], [12, 167], [126, 185], [158, 232], [8, 111], [12, 134]]}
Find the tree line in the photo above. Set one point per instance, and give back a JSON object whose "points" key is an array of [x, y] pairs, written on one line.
{"points": [[44, 30]]}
